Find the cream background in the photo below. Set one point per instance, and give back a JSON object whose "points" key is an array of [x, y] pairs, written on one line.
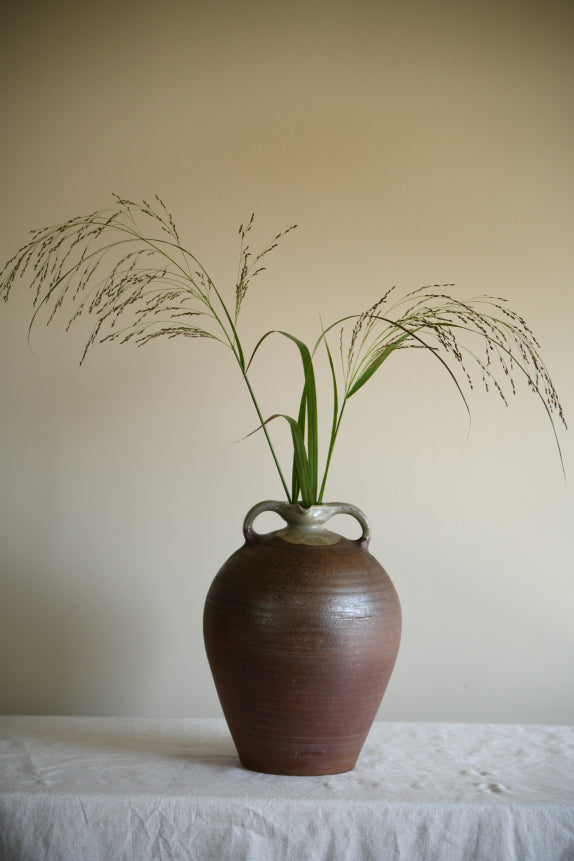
{"points": [[412, 143]]}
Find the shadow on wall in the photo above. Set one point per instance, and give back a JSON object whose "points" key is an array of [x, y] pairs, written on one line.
{"points": [[64, 652]]}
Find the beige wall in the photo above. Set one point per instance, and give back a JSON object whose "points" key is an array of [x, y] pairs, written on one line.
{"points": [[413, 143]]}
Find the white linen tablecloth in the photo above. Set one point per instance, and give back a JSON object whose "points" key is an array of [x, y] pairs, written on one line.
{"points": [[77, 789]]}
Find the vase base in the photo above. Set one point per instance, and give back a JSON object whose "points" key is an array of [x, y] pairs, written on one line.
{"points": [[298, 769]]}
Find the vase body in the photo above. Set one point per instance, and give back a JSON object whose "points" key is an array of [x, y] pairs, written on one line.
{"points": [[302, 629]]}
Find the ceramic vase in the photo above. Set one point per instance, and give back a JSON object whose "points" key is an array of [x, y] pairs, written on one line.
{"points": [[302, 629]]}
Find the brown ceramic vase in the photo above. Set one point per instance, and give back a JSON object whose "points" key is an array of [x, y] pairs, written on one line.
{"points": [[302, 629]]}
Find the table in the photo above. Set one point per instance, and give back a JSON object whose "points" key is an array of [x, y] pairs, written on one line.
{"points": [[81, 789]]}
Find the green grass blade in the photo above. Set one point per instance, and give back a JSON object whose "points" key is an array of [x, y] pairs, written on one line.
{"points": [[335, 422], [310, 398], [295, 482], [375, 365], [301, 464]]}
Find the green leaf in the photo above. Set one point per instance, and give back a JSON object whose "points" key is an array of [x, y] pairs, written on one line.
{"points": [[301, 464], [374, 366], [307, 415], [301, 467], [295, 483], [335, 422], [309, 397]]}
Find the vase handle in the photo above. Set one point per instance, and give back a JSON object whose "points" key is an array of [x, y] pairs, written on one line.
{"points": [[268, 505], [307, 518], [353, 511]]}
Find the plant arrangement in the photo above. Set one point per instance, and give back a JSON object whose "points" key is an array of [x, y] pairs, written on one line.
{"points": [[127, 270]]}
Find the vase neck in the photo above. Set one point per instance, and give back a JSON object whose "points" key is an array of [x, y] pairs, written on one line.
{"points": [[306, 525]]}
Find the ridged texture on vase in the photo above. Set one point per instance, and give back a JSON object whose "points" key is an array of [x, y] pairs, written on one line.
{"points": [[301, 640]]}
